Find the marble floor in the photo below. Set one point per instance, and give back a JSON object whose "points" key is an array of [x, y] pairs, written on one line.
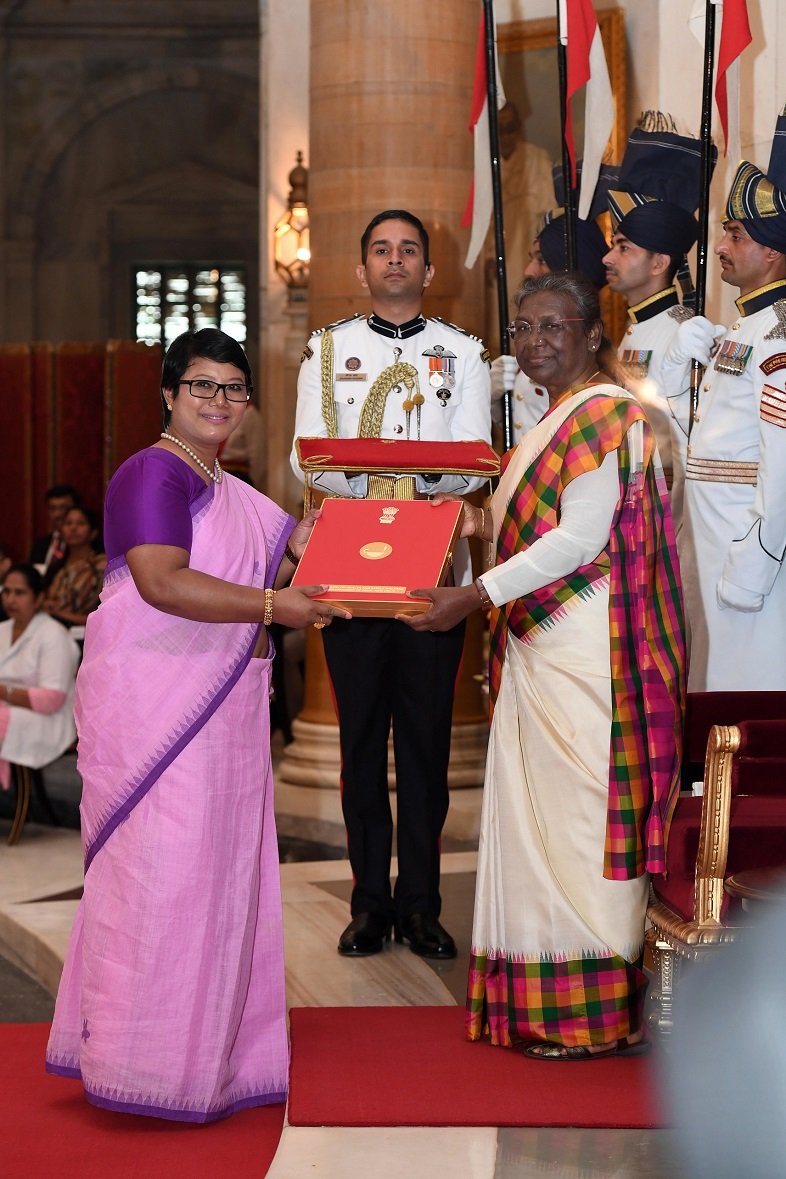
{"points": [[39, 882]]}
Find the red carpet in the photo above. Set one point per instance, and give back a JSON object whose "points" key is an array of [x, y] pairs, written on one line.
{"points": [[411, 1066], [50, 1130]]}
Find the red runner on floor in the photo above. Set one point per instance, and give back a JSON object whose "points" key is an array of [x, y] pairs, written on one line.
{"points": [[49, 1129], [411, 1066]]}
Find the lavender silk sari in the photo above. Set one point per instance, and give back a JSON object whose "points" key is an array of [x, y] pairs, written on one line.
{"points": [[172, 998]]}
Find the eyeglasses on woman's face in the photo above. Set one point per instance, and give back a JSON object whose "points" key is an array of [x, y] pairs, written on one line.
{"points": [[550, 329], [233, 390]]}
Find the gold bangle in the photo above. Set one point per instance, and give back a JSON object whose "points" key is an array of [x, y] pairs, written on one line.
{"points": [[482, 524], [268, 615]]}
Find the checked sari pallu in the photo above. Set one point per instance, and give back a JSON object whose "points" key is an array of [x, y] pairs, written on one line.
{"points": [[582, 775]]}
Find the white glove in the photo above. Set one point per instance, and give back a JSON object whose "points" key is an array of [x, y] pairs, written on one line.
{"points": [[694, 339], [736, 597], [504, 370]]}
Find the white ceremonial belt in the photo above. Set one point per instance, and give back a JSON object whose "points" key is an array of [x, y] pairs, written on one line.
{"points": [[721, 471]]}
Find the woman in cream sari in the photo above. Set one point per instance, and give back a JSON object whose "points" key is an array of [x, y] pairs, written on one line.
{"points": [[586, 681]]}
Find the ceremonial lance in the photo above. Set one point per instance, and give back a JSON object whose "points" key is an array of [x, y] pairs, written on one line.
{"points": [[704, 199], [571, 251], [496, 195]]}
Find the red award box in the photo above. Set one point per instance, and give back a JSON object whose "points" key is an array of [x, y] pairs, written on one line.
{"points": [[370, 552], [399, 455]]}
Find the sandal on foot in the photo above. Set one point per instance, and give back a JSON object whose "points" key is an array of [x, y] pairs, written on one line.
{"points": [[547, 1050]]}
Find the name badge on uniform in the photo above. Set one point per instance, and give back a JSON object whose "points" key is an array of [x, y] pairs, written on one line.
{"points": [[441, 371], [732, 358], [352, 364], [637, 362]]}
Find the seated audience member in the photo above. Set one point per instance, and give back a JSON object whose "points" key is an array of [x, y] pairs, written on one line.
{"points": [[74, 585], [49, 548], [38, 662]]}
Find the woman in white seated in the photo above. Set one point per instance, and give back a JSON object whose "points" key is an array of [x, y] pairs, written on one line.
{"points": [[38, 662]]}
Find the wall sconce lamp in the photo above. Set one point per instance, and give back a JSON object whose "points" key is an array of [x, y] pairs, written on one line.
{"points": [[291, 237]]}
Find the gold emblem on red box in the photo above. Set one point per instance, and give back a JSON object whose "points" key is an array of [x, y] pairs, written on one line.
{"points": [[375, 550]]}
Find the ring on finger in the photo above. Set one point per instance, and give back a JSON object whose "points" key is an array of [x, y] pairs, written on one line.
{"points": [[320, 623]]}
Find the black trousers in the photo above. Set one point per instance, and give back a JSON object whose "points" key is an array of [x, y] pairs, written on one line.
{"points": [[381, 672]]}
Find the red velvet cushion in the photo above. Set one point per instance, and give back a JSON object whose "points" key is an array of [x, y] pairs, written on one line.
{"points": [[757, 839], [675, 889], [705, 709], [763, 737], [759, 775]]}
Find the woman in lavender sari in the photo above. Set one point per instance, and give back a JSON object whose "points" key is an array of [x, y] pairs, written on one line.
{"points": [[171, 1002]]}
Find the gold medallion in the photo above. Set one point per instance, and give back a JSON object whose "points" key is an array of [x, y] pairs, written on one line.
{"points": [[375, 550]]}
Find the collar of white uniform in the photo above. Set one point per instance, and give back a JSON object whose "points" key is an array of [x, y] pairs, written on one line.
{"points": [[396, 331], [762, 297], [649, 308]]}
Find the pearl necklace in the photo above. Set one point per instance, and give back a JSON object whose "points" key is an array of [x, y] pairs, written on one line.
{"points": [[216, 474]]}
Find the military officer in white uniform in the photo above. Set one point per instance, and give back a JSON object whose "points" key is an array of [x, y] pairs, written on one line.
{"points": [[394, 374], [653, 227], [734, 532]]}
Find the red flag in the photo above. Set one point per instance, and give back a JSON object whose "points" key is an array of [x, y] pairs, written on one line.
{"points": [[577, 32], [735, 36], [586, 66], [478, 104], [480, 203]]}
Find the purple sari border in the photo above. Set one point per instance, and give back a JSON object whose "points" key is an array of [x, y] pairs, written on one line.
{"points": [[187, 1115], [62, 1070], [278, 553], [115, 568], [171, 1113], [152, 776]]}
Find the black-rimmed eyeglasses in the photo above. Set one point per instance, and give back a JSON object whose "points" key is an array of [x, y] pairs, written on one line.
{"points": [[232, 390], [551, 330]]}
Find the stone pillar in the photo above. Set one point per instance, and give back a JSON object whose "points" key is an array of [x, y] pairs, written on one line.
{"points": [[391, 86]]}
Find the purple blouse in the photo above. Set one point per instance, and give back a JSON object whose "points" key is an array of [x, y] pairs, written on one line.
{"points": [[149, 501]]}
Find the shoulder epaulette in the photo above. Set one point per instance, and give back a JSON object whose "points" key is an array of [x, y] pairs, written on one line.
{"points": [[329, 327], [680, 313], [779, 331], [462, 331]]}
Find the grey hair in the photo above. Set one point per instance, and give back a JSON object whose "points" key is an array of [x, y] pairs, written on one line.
{"points": [[568, 282]]}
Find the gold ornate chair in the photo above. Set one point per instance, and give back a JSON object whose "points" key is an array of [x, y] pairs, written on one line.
{"points": [[738, 824]]}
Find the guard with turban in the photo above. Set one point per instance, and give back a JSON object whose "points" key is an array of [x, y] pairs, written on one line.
{"points": [[653, 228], [734, 534]]}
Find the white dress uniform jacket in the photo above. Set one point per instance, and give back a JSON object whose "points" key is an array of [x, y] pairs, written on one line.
{"points": [[457, 409], [734, 531], [530, 402], [664, 395]]}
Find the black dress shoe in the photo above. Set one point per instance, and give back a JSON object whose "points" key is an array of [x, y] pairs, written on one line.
{"points": [[425, 935], [366, 934]]}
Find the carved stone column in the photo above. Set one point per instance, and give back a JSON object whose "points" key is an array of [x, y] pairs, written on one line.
{"points": [[391, 86], [390, 97]]}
